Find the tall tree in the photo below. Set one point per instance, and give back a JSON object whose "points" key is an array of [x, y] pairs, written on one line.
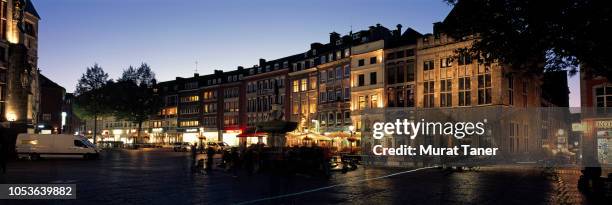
{"points": [[91, 98], [537, 35], [135, 98], [142, 75]]}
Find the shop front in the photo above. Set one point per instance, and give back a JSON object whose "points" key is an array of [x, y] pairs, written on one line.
{"points": [[189, 135], [596, 141], [603, 141]]}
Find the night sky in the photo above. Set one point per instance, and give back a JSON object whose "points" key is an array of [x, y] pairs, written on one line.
{"points": [[171, 35]]}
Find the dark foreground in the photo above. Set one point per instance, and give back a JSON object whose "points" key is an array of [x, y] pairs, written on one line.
{"points": [[154, 176]]}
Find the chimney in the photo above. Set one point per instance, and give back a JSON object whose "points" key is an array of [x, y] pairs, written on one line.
{"points": [[333, 37], [262, 62], [218, 72], [399, 29], [437, 28], [240, 68], [195, 75]]}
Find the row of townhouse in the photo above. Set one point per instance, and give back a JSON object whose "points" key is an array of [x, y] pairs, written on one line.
{"points": [[340, 88]]}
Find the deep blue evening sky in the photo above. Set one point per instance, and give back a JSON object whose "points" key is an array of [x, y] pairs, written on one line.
{"points": [[170, 35]]}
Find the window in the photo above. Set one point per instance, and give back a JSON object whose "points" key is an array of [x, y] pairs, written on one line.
{"points": [[603, 96], [361, 80], [295, 107], [446, 99], [347, 117], [347, 52], [361, 62], [191, 123], [428, 94], [428, 65], [410, 71], [347, 71], [409, 52], [362, 102], [190, 98], [510, 90], [373, 78], [330, 74], [338, 94], [373, 60], [323, 60], [446, 62], [410, 96], [322, 76], [296, 87], [304, 84], [331, 118], [391, 73], [313, 83], [400, 72], [323, 96], [331, 96], [465, 59], [465, 98], [339, 72], [374, 101], [323, 118], [484, 89], [347, 93], [399, 54]]}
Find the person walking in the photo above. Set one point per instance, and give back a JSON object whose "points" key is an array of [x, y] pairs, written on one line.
{"points": [[235, 158], [193, 157], [210, 154]]}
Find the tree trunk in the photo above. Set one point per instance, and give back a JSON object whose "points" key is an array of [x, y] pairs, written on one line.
{"points": [[95, 127], [138, 132]]}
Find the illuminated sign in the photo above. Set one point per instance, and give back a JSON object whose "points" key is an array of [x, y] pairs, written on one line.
{"points": [[603, 124], [577, 127], [191, 130]]}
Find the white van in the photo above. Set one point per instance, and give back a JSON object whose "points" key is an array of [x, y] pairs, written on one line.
{"points": [[36, 146]]}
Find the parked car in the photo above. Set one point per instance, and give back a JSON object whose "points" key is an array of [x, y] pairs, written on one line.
{"points": [[218, 146], [35, 146], [181, 147]]}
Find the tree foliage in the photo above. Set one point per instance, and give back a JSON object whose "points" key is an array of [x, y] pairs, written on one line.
{"points": [[537, 35], [92, 97], [143, 75], [93, 78], [133, 97]]}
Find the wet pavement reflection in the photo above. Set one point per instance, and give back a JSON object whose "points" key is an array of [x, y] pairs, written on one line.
{"points": [[156, 176]]}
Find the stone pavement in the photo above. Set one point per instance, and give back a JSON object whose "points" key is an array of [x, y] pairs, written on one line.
{"points": [[153, 176]]}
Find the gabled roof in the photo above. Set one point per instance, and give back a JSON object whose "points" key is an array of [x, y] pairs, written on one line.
{"points": [[30, 9]]}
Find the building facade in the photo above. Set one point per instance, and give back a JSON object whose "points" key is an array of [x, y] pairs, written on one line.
{"points": [[51, 117], [596, 122], [19, 94], [336, 91]]}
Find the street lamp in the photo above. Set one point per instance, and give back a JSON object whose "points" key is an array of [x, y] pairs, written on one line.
{"points": [[351, 139], [201, 137], [11, 117]]}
